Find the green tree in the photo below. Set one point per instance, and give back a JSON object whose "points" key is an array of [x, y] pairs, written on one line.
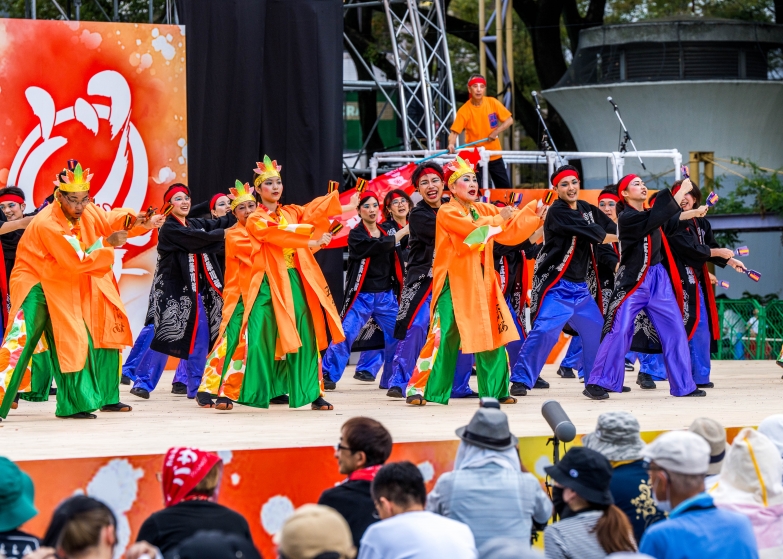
{"points": [[134, 11]]}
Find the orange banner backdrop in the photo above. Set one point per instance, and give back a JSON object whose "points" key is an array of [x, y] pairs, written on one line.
{"points": [[265, 486], [111, 95]]}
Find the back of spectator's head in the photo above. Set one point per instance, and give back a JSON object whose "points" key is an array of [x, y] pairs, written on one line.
{"points": [[715, 435], [79, 524], [752, 472], [397, 487], [212, 544], [772, 428], [367, 436], [315, 532], [616, 436], [16, 496], [188, 472]]}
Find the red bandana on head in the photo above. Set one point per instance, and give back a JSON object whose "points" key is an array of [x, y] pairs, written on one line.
{"points": [[477, 79], [624, 182], [214, 200], [177, 189], [11, 198], [563, 174], [183, 469], [608, 196]]}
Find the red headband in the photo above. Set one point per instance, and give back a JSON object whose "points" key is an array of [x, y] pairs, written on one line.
{"points": [[477, 79], [624, 182], [430, 171], [675, 190], [369, 194], [177, 189], [608, 196], [214, 200], [563, 174], [11, 198], [183, 469], [395, 195]]}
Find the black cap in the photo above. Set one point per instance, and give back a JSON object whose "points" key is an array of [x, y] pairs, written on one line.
{"points": [[585, 471], [212, 544]]}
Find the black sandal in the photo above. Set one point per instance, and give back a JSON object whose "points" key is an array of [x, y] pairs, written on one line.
{"points": [[321, 405], [79, 415], [224, 404], [204, 400], [119, 406], [416, 400]]}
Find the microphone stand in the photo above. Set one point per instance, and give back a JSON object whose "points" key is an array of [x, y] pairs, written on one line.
{"points": [[627, 136], [546, 140]]}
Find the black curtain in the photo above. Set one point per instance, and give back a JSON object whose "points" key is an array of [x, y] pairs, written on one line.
{"points": [[265, 77]]}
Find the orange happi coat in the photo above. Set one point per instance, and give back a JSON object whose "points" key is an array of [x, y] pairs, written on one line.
{"points": [[480, 310], [238, 270], [268, 261], [78, 292]]}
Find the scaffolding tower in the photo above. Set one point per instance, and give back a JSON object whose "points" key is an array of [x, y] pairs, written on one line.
{"points": [[423, 82]]}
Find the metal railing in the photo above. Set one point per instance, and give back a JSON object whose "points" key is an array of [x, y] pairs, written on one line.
{"points": [[749, 330], [552, 159]]}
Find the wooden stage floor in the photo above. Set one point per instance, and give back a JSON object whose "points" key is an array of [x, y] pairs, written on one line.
{"points": [[745, 393]]}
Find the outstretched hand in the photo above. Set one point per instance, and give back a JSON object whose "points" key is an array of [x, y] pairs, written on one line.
{"points": [[507, 212], [118, 238]]}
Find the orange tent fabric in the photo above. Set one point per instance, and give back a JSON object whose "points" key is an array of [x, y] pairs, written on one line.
{"points": [[268, 261], [480, 309], [78, 291]]}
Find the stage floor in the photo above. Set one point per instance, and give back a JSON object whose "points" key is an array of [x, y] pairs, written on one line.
{"points": [[745, 393]]}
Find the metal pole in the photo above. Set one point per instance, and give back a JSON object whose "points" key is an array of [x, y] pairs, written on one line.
{"points": [[116, 10], [482, 52], [499, 43], [34, 9], [78, 6], [151, 11]]}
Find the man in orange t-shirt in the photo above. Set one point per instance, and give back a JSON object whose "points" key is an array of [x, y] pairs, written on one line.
{"points": [[483, 117]]}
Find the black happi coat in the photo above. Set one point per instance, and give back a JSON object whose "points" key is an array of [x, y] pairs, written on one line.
{"points": [[418, 276], [185, 267], [690, 249], [511, 266], [569, 233], [371, 335], [642, 245], [607, 256]]}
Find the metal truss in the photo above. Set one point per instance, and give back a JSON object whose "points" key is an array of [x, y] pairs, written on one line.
{"points": [[419, 54], [491, 40], [31, 9]]}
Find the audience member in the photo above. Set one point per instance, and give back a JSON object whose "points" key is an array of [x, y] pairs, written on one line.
{"points": [[364, 447], [81, 528], [772, 428], [507, 548], [750, 484], [678, 462], [616, 436], [315, 531], [487, 489], [591, 526], [191, 480], [406, 530], [212, 544], [715, 435], [16, 507]]}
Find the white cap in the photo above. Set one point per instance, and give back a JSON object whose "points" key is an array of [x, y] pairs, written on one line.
{"points": [[680, 452]]}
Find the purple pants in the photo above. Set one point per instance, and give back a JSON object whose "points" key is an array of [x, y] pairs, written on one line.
{"points": [[140, 347], [656, 297], [700, 344]]}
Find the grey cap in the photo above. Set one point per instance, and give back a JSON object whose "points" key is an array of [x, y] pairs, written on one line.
{"points": [[681, 452], [616, 436], [488, 428], [715, 435]]}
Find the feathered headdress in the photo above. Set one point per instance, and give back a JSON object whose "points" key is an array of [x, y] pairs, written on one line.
{"points": [[240, 193], [457, 168], [75, 179], [266, 169]]}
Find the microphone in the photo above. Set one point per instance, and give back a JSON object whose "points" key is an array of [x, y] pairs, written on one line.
{"points": [[558, 421], [535, 97], [612, 102]]}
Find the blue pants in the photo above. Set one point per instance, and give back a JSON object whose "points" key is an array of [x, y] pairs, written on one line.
{"points": [[140, 347], [152, 363], [573, 356], [380, 306], [512, 348], [408, 351], [699, 344], [653, 365], [656, 297], [566, 302]]}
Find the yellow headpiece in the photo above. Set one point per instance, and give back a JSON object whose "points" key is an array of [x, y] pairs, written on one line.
{"points": [[266, 169], [458, 168], [241, 193], [74, 181]]}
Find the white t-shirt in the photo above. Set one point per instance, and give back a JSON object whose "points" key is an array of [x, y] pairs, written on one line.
{"points": [[418, 535]]}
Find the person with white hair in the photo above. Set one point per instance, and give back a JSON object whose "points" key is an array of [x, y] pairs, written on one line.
{"points": [[678, 462], [750, 484]]}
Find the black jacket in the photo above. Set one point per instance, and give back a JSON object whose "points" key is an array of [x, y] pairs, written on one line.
{"points": [[370, 262], [167, 528], [185, 268], [511, 266], [352, 499]]}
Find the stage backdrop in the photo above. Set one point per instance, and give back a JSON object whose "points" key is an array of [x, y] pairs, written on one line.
{"points": [[111, 95]]}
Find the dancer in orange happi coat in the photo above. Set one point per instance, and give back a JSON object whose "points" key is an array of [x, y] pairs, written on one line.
{"points": [[62, 287], [470, 312]]}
